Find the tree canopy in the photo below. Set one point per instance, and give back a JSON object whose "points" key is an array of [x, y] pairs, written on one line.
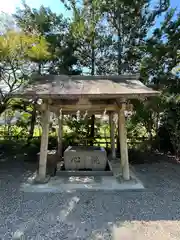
{"points": [[101, 37]]}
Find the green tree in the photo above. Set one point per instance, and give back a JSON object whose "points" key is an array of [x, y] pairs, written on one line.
{"points": [[130, 22], [176, 69], [85, 26], [16, 52], [55, 29], [161, 55]]}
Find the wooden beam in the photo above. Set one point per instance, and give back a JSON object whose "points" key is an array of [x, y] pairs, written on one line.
{"points": [[112, 134], [84, 107], [82, 112], [44, 141], [93, 107], [123, 142]]}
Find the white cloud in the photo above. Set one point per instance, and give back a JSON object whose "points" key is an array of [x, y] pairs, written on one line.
{"points": [[9, 6]]}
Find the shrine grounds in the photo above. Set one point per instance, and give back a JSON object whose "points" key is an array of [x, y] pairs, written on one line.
{"points": [[152, 213]]}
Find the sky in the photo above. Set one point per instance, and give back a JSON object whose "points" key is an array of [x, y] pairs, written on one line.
{"points": [[9, 6]]}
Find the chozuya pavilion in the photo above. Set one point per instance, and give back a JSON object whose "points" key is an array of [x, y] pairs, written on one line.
{"points": [[63, 94]]}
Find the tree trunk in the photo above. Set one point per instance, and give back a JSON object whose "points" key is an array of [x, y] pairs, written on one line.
{"points": [[119, 52], [93, 56], [150, 127], [157, 121], [39, 68], [119, 28], [118, 142], [32, 124], [92, 130], [93, 116], [2, 109], [92, 73], [119, 71], [33, 116]]}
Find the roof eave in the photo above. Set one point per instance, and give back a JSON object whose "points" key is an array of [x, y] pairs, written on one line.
{"points": [[101, 96]]}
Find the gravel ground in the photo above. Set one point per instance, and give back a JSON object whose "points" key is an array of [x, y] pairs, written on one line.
{"points": [[153, 213]]}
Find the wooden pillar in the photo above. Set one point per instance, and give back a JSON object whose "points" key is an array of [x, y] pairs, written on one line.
{"points": [[123, 143], [112, 134], [44, 140], [60, 132]]}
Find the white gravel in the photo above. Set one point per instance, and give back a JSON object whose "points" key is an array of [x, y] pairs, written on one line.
{"points": [[153, 213]]}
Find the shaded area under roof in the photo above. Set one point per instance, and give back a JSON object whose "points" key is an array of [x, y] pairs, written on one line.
{"points": [[72, 87]]}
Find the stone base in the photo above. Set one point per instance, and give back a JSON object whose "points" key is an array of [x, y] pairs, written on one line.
{"points": [[86, 183], [69, 181], [35, 179], [39, 180], [67, 173]]}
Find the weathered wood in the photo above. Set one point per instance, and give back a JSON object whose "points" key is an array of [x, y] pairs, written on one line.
{"points": [[73, 87], [123, 143], [60, 132], [91, 96], [112, 134], [44, 141], [94, 108], [82, 112], [82, 100]]}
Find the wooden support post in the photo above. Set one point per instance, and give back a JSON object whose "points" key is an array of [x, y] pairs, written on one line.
{"points": [[112, 134], [60, 132], [44, 141], [123, 143]]}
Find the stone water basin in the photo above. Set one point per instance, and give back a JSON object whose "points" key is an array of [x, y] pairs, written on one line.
{"points": [[85, 158]]}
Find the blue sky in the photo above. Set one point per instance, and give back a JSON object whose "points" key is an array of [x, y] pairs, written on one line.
{"points": [[9, 6]]}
